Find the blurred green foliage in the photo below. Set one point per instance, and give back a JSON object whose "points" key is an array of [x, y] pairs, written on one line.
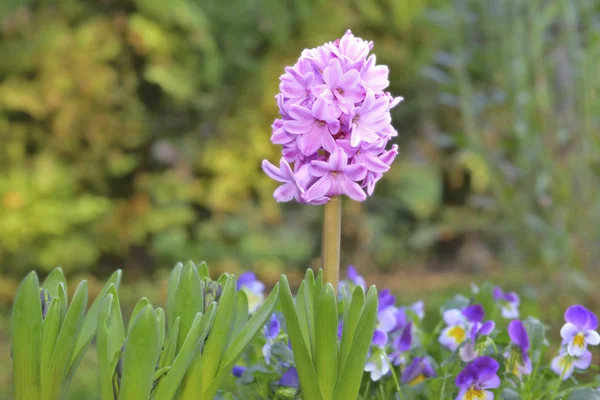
{"points": [[132, 132]]}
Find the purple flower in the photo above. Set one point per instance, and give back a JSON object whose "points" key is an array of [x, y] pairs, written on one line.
{"points": [[579, 330], [355, 278], [377, 364], [459, 322], [401, 345], [418, 370], [332, 100], [255, 290], [476, 377], [238, 370], [517, 356], [336, 178], [290, 378], [509, 303], [564, 364], [271, 334], [471, 350]]}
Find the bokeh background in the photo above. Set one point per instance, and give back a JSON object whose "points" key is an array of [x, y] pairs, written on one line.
{"points": [[132, 131]]}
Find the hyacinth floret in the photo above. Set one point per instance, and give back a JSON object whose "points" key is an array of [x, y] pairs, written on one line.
{"points": [[335, 124]]}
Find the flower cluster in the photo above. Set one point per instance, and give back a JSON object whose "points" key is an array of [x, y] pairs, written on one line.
{"points": [[335, 124]]}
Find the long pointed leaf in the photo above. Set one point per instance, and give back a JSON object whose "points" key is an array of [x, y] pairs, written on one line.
{"points": [[309, 382], [349, 326], [140, 357], [326, 343], [171, 291], [189, 300], [26, 336], [170, 347], [50, 331], [53, 280]]}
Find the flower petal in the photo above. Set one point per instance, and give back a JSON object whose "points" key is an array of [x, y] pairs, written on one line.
{"points": [[518, 334], [578, 316], [285, 192], [592, 338], [273, 172], [568, 331], [352, 189], [584, 361], [319, 188]]}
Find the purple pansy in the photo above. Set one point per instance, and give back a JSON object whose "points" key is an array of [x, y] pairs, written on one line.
{"points": [[333, 100], [255, 289], [471, 350], [377, 364], [579, 331], [476, 377], [459, 323], [238, 370], [290, 378], [401, 345], [417, 371], [271, 334], [517, 354], [564, 364], [355, 277], [508, 302]]}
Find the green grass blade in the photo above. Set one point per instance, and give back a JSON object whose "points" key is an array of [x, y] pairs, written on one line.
{"points": [[65, 344], [349, 327], [307, 375], [140, 357], [326, 343], [26, 326], [348, 383]]}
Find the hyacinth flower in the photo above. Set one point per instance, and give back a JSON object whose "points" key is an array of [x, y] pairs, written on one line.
{"points": [[517, 353], [459, 324], [50, 335], [254, 289], [508, 303], [478, 376], [471, 350], [271, 334], [564, 363], [579, 331], [419, 370], [334, 130]]}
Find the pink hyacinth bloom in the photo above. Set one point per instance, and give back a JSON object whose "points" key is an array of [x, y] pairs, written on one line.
{"points": [[335, 123], [337, 178]]}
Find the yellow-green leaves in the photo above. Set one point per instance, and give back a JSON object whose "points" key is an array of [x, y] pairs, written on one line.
{"points": [[327, 370], [26, 339]]}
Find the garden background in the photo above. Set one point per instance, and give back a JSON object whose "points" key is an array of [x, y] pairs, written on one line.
{"points": [[132, 132]]}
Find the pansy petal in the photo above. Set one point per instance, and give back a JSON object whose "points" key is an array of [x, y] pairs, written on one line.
{"points": [[578, 316], [568, 331], [592, 338], [474, 313], [380, 338], [593, 323], [584, 361], [486, 328], [492, 383], [518, 334], [453, 317]]}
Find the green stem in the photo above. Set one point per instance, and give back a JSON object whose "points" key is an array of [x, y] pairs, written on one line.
{"points": [[332, 230], [395, 378]]}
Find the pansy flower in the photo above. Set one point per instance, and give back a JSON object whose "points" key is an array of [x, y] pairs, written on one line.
{"points": [[271, 333], [377, 364], [290, 378], [508, 302], [417, 371], [459, 323], [579, 331], [401, 345], [516, 354], [471, 350], [354, 277], [255, 289], [476, 378], [564, 364]]}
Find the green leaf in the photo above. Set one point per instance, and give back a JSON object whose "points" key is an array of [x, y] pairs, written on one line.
{"points": [[26, 324], [53, 280], [189, 300], [349, 381], [140, 357], [64, 298], [301, 303], [241, 314], [219, 335], [170, 348], [203, 270], [584, 394], [326, 343], [141, 304], [160, 319], [169, 385], [171, 292], [310, 294], [65, 344], [50, 331], [350, 322], [307, 375], [90, 323], [103, 348]]}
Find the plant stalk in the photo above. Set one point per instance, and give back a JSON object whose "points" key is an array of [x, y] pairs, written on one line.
{"points": [[332, 230]]}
